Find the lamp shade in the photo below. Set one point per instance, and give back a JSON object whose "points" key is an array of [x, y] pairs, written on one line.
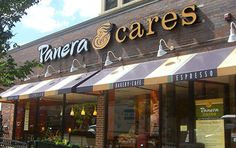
{"points": [[108, 61], [47, 73], [82, 112], [232, 35], [95, 112], [61, 113], [43, 129], [72, 113], [69, 130], [161, 52], [74, 68]]}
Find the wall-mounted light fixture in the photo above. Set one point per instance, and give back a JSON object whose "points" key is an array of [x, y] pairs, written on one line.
{"points": [[108, 61], [47, 73], [161, 51], [232, 35], [74, 68]]}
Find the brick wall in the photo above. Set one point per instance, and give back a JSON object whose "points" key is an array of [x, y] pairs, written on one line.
{"points": [[100, 129], [209, 33], [201, 36], [8, 116]]}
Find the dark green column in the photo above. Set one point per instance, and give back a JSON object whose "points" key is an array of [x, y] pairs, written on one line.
{"points": [[63, 117]]}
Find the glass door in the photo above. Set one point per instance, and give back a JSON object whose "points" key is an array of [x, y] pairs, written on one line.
{"points": [[211, 103], [199, 113]]}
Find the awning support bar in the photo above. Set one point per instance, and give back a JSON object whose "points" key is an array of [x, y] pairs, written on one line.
{"points": [[14, 120], [36, 119], [63, 117]]}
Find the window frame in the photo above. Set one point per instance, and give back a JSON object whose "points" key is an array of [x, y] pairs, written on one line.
{"points": [[120, 4]]}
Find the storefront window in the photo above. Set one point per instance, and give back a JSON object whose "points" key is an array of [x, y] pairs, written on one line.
{"points": [[133, 118], [199, 113], [46, 123], [81, 119], [49, 120], [211, 103], [174, 114]]}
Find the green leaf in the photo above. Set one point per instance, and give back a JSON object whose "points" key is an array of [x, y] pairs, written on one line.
{"points": [[11, 11]]}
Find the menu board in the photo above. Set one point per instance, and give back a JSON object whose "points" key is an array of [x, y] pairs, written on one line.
{"points": [[211, 133]]}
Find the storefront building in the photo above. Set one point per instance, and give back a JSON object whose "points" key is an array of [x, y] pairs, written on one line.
{"points": [[142, 74]]}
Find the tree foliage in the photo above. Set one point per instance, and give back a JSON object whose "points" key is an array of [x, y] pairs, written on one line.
{"points": [[11, 11]]}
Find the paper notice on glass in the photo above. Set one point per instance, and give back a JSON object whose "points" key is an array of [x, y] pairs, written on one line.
{"points": [[26, 121], [211, 133], [183, 128]]}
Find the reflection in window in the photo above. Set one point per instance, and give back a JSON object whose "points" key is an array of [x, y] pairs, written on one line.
{"points": [[109, 4], [133, 120], [169, 125]]}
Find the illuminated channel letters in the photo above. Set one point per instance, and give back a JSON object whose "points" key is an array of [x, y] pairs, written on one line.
{"points": [[47, 53]]}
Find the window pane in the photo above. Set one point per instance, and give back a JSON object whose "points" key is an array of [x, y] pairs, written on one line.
{"points": [[109, 4], [133, 118], [126, 1], [210, 99], [169, 125]]}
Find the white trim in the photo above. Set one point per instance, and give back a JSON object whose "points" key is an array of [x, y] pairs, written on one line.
{"points": [[120, 4]]}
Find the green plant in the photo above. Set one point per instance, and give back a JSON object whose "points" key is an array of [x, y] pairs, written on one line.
{"points": [[11, 11], [54, 138], [61, 142]]}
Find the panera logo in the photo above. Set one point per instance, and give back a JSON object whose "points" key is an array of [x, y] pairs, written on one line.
{"points": [[103, 36]]}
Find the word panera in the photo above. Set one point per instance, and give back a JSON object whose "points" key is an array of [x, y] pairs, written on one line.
{"points": [[195, 75], [47, 53], [207, 110]]}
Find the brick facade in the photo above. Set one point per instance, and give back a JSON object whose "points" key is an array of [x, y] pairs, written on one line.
{"points": [[8, 117], [210, 32], [100, 129]]}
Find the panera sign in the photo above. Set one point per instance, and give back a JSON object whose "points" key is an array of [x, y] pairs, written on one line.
{"points": [[169, 21], [47, 53]]}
